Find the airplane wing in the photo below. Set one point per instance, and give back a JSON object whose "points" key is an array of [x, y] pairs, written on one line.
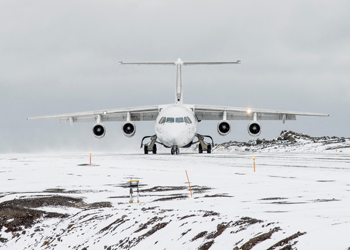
{"points": [[208, 112], [145, 113]]}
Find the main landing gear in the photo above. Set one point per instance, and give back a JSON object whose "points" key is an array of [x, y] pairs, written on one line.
{"points": [[204, 146], [151, 146], [146, 149]]}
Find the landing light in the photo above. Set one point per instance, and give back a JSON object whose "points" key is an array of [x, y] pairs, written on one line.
{"points": [[249, 111], [104, 112]]}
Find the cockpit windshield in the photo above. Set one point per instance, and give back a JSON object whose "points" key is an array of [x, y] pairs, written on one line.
{"points": [[173, 119], [162, 120], [179, 119], [170, 119], [188, 120]]}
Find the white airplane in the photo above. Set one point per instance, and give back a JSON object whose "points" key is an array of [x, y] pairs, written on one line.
{"points": [[176, 124]]}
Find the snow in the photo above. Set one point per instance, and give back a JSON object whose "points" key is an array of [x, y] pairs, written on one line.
{"points": [[288, 141], [290, 192]]}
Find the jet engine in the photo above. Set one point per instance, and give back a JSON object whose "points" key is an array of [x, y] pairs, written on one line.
{"points": [[99, 130], [129, 129], [224, 127], [254, 129]]}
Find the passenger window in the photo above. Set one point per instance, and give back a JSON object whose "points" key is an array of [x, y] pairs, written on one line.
{"points": [[162, 120], [188, 120], [179, 119], [170, 119]]}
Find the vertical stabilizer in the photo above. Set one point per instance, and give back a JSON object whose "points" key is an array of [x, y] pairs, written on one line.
{"points": [[179, 91]]}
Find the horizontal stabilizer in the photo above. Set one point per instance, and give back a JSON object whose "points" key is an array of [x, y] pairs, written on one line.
{"points": [[210, 63], [149, 63], [179, 62]]}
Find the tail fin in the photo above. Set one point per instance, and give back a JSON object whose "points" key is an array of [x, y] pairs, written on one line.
{"points": [[178, 64]]}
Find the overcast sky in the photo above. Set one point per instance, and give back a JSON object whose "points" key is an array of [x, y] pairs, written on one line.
{"points": [[62, 56]]}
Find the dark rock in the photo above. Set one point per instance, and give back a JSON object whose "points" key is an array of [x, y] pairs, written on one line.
{"points": [[206, 245], [291, 139], [200, 235], [254, 241]]}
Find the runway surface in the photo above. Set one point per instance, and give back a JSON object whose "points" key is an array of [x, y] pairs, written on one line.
{"points": [[291, 201]]}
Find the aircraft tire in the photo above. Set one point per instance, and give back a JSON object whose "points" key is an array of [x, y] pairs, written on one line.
{"points": [[154, 149], [145, 149], [200, 149], [172, 151], [209, 149]]}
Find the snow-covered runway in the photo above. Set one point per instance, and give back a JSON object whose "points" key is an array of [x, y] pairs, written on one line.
{"points": [[293, 200]]}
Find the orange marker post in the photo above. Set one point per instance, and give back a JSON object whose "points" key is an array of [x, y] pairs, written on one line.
{"points": [[90, 158], [336, 148], [189, 183], [254, 163]]}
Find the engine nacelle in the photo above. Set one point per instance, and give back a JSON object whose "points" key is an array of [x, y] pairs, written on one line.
{"points": [[254, 129], [224, 127], [129, 129], [99, 130]]}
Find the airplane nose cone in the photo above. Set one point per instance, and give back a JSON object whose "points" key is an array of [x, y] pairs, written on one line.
{"points": [[176, 135]]}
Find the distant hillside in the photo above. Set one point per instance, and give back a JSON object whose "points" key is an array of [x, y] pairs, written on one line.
{"points": [[288, 141]]}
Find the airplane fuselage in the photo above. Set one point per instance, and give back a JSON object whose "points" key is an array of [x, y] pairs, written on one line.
{"points": [[176, 125]]}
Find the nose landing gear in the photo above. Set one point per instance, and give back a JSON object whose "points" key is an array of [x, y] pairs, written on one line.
{"points": [[175, 150]]}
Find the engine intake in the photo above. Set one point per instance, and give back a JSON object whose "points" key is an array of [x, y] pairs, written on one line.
{"points": [[254, 129], [129, 129], [224, 127], [99, 130]]}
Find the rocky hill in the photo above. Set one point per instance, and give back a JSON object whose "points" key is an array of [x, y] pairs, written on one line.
{"points": [[288, 141]]}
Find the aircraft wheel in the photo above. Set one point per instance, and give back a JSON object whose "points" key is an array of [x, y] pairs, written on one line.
{"points": [[145, 149], [154, 149], [209, 149], [177, 151], [172, 151], [200, 149]]}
